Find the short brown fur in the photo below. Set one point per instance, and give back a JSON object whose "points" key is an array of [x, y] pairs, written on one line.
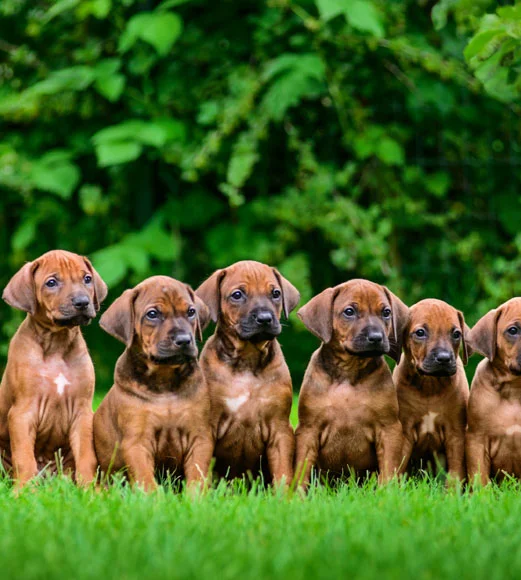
{"points": [[48, 384], [157, 414], [432, 387], [493, 442], [247, 375], [348, 409]]}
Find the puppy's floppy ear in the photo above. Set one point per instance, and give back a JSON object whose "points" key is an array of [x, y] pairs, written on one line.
{"points": [[465, 332], [203, 313], [210, 293], [20, 291], [400, 320], [100, 288], [290, 295], [317, 314], [118, 319], [483, 336]]}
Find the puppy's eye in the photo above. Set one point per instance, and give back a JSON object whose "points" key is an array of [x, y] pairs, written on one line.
{"points": [[456, 334], [51, 283], [191, 312], [237, 295], [87, 279], [152, 314], [276, 293], [386, 313], [513, 331], [349, 311], [420, 333]]}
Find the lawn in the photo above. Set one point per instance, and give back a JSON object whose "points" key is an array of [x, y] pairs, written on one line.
{"points": [[410, 530], [413, 529]]}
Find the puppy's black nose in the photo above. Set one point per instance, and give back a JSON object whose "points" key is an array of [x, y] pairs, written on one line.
{"points": [[375, 336], [182, 339], [263, 317], [443, 356], [80, 302]]}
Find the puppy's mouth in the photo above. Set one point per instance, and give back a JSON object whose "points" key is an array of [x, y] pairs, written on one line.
{"points": [[437, 371], [174, 359], [76, 320], [259, 334]]}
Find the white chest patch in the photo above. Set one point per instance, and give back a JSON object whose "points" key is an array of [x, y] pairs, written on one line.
{"points": [[235, 403], [61, 382], [513, 429], [427, 424]]}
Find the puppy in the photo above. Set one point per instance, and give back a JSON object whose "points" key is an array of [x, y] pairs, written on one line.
{"points": [[432, 386], [48, 384], [493, 442], [157, 414], [348, 409], [249, 381]]}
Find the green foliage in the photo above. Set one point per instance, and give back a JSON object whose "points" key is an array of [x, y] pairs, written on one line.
{"points": [[332, 139]]}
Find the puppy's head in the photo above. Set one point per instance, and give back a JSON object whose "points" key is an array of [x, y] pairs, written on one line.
{"points": [[497, 335], [248, 298], [160, 318], [434, 336], [362, 318], [60, 288]]}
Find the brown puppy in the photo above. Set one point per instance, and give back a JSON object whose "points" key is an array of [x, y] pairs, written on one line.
{"points": [[493, 443], [432, 386], [48, 384], [247, 375], [348, 409], [157, 414]]}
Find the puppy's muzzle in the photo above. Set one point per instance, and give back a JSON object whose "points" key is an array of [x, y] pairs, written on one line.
{"points": [[79, 312], [178, 349], [371, 341], [261, 324], [440, 362]]}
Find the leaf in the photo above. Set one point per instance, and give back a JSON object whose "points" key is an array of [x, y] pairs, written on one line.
{"points": [[55, 173], [363, 16], [438, 183], [159, 29], [110, 264], [24, 235], [111, 87], [479, 42], [242, 161], [390, 151], [115, 153]]}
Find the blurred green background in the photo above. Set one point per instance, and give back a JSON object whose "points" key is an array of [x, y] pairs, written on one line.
{"points": [[330, 138]]}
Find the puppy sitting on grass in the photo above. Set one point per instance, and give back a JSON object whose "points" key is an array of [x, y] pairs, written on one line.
{"points": [[348, 409], [432, 387], [157, 414], [493, 442], [247, 375]]}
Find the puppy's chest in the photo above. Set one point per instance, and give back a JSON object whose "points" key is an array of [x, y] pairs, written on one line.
{"points": [[348, 404], [245, 394], [57, 379], [505, 423]]}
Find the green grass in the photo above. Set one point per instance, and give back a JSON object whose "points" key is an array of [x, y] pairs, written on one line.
{"points": [[416, 529]]}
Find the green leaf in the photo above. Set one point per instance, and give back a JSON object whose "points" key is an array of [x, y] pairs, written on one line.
{"points": [[55, 173], [479, 42], [111, 87], [115, 153], [363, 16], [242, 161], [24, 235], [159, 29], [110, 264], [390, 151]]}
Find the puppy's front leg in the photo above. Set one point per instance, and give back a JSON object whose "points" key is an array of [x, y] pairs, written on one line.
{"points": [[82, 446], [22, 433], [478, 458], [389, 450], [280, 451], [140, 463], [306, 453], [197, 461], [408, 445], [455, 450]]}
